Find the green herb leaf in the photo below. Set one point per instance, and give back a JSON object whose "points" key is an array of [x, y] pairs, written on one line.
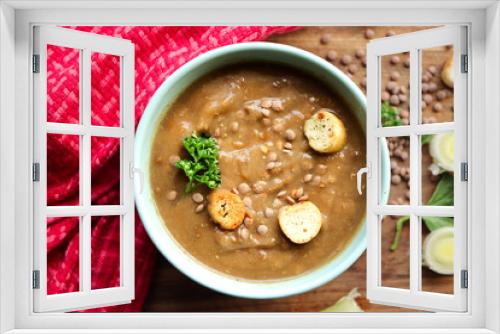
{"points": [[442, 195], [203, 167], [433, 223], [389, 115], [426, 139]]}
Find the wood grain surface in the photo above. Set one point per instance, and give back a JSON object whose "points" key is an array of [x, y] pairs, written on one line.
{"points": [[171, 291]]}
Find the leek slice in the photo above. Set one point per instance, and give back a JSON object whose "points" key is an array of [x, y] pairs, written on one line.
{"points": [[438, 250], [346, 303], [442, 150]]}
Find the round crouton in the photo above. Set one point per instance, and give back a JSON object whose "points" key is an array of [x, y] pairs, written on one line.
{"points": [[325, 132], [226, 209], [300, 222]]}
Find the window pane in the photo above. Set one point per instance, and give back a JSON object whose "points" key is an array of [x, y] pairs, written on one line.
{"points": [[63, 169], [105, 80], [395, 252], [63, 84], [437, 84], [437, 169], [105, 251], [63, 255], [437, 254], [395, 89], [106, 172], [399, 153]]}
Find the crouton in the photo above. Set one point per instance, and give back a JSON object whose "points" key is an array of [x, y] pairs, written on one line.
{"points": [[300, 222], [226, 209], [325, 132]]}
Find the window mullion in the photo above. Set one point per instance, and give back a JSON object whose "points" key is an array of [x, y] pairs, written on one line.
{"points": [[419, 210], [86, 154], [85, 174], [415, 191], [85, 268], [415, 262], [79, 129], [417, 129], [80, 211], [127, 275]]}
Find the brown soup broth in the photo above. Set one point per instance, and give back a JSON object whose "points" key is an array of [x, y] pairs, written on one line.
{"points": [[248, 142]]}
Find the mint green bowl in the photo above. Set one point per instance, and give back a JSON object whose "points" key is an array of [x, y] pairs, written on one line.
{"points": [[164, 97]]}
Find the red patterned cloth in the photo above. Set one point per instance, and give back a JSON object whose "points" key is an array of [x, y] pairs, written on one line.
{"points": [[159, 51]]}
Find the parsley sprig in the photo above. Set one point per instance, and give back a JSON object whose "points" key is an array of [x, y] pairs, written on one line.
{"points": [[203, 167], [389, 115]]}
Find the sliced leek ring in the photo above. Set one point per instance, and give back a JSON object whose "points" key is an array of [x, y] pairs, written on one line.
{"points": [[442, 150], [439, 249], [346, 303]]}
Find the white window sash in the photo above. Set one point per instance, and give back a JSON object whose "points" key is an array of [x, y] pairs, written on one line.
{"points": [[414, 297], [86, 297]]}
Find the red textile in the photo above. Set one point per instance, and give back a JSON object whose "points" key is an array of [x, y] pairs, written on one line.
{"points": [[158, 52]]}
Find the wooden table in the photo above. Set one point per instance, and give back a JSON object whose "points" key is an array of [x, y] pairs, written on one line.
{"points": [[171, 291]]}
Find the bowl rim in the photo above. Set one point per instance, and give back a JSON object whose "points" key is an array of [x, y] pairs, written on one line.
{"points": [[187, 263]]}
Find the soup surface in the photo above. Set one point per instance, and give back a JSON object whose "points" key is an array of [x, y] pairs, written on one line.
{"points": [[265, 158]]}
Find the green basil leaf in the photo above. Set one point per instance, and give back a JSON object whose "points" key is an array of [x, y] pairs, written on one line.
{"points": [[434, 223], [426, 139], [443, 194]]}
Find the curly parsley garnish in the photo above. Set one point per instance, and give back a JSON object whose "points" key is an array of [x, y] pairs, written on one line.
{"points": [[203, 167], [389, 115]]}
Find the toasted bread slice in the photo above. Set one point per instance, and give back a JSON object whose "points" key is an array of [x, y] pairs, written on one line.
{"points": [[447, 72], [300, 222], [325, 132], [226, 209]]}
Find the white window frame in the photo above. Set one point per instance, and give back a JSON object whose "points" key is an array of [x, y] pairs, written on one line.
{"points": [[16, 21], [415, 43], [86, 43]]}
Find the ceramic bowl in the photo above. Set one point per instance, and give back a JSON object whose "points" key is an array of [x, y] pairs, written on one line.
{"points": [[341, 85]]}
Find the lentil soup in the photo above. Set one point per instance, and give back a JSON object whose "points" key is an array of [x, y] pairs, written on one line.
{"points": [[257, 112]]}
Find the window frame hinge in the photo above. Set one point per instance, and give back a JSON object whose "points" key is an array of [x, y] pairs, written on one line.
{"points": [[36, 172], [464, 63], [464, 171], [36, 63], [464, 279], [36, 279]]}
